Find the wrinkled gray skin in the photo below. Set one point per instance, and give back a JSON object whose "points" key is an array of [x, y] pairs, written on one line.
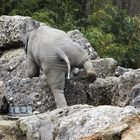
{"points": [[53, 52]]}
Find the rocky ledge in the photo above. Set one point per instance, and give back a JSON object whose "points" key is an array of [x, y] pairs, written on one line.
{"points": [[78, 122]]}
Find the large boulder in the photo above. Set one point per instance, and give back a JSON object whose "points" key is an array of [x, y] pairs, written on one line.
{"points": [[121, 70], [134, 96], [76, 122], [127, 129], [114, 90], [79, 38], [11, 31]]}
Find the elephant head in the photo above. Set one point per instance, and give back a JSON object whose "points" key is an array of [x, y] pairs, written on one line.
{"points": [[29, 26]]}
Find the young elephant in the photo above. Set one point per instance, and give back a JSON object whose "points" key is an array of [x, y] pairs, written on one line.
{"points": [[52, 51]]}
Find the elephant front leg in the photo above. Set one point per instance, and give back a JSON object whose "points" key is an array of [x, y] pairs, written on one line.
{"points": [[32, 68], [91, 74]]}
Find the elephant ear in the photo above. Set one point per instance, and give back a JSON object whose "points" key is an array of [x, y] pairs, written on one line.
{"points": [[29, 26]]}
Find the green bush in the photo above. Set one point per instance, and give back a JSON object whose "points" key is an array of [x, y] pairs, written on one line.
{"points": [[111, 31]]}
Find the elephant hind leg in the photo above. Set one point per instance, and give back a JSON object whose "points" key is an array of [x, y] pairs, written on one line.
{"points": [[59, 98], [90, 72], [32, 68], [56, 81]]}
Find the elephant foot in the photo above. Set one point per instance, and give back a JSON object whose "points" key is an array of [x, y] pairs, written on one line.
{"points": [[91, 75]]}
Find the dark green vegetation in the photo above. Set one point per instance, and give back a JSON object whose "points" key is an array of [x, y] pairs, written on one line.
{"points": [[111, 31]]}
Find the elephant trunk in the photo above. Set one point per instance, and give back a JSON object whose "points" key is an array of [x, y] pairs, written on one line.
{"points": [[64, 57]]}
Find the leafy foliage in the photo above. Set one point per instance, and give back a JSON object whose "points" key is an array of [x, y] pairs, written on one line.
{"points": [[111, 31], [115, 34]]}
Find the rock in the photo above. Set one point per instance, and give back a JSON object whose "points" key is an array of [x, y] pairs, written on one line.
{"points": [[72, 122], [134, 96], [12, 29], [127, 81], [106, 90], [76, 121], [9, 130], [136, 102], [127, 129], [13, 64], [102, 91], [120, 71], [79, 38], [114, 90], [105, 67], [22, 90]]}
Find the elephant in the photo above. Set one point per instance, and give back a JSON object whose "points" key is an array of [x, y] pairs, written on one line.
{"points": [[54, 53]]}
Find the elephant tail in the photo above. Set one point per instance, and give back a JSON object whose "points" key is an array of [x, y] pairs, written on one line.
{"points": [[64, 57]]}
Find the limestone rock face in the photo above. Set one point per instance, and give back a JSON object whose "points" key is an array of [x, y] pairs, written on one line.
{"points": [[11, 31], [127, 129], [75, 122], [134, 96], [114, 90], [79, 38], [78, 122], [105, 67], [120, 71]]}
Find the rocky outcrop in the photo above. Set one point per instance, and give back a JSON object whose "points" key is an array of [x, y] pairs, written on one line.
{"points": [[77, 122], [79, 38], [114, 90], [11, 29], [134, 96], [120, 71], [127, 129]]}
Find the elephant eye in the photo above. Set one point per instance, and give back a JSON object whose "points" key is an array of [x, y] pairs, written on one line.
{"points": [[62, 60]]}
